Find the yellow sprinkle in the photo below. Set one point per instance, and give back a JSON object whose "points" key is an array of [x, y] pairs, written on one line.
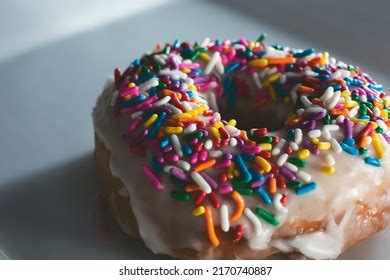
{"points": [[186, 70], [327, 169], [269, 80], [355, 120], [214, 131], [384, 114], [261, 63], [252, 44], [350, 104], [377, 146], [192, 88], [151, 120], [236, 173], [325, 57], [323, 145], [218, 124], [173, 130], [127, 97], [345, 93], [193, 112], [204, 57], [232, 122], [272, 92], [314, 140], [198, 211], [131, 85], [181, 115], [202, 108], [263, 163], [304, 153], [230, 171], [266, 146]]}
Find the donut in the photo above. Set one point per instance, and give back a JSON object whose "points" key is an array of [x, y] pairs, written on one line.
{"points": [[225, 149]]}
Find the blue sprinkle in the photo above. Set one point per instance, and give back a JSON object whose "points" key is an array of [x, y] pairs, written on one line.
{"points": [[227, 84], [157, 124], [337, 87], [260, 54], [248, 157], [133, 101], [190, 93], [357, 82], [305, 188], [376, 87], [187, 151], [349, 141], [364, 117], [372, 161], [256, 176], [324, 77], [176, 44], [349, 149], [264, 196], [348, 80], [291, 134], [232, 67], [156, 165], [164, 142], [242, 168], [304, 53], [137, 62]]}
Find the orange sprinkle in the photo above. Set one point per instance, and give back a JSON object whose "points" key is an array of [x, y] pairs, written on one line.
{"points": [[305, 90], [192, 119], [244, 135], [192, 188], [316, 62], [258, 104], [337, 112], [362, 141], [172, 122], [168, 92], [240, 206], [281, 60], [319, 102], [272, 185], [210, 227], [204, 165]]}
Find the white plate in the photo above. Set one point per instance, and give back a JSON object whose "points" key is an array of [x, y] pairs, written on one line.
{"points": [[49, 186]]}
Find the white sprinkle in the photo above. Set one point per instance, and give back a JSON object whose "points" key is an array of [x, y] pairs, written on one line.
{"points": [[184, 165], [334, 100], [278, 205], [278, 148], [282, 159], [326, 134], [354, 111], [363, 98], [291, 166], [315, 109], [359, 127], [382, 125], [162, 101], [174, 109], [315, 133], [206, 41], [233, 142], [202, 183], [332, 127], [224, 213], [212, 101], [369, 140], [136, 114], [219, 67], [300, 111], [340, 118], [383, 141], [176, 145], [255, 221], [186, 106], [159, 59], [336, 75], [306, 102], [233, 131], [168, 168], [282, 79], [336, 146], [190, 128], [328, 94], [294, 146], [114, 97], [304, 176], [298, 136], [293, 93], [310, 73], [210, 65], [256, 79], [216, 153], [208, 144], [329, 159]]}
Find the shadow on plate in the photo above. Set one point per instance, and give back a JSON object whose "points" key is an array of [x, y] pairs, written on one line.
{"points": [[59, 214]]}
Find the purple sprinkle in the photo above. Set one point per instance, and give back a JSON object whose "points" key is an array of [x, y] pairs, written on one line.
{"points": [[313, 149], [209, 180], [347, 128], [178, 173], [287, 173], [223, 164]]}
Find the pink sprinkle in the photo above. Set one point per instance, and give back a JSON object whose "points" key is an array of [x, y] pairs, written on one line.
{"points": [[194, 158], [225, 188], [153, 178], [133, 125], [251, 149], [203, 155]]}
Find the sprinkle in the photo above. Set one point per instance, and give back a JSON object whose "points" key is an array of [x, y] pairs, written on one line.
{"points": [[336, 146], [327, 169], [176, 145], [372, 161], [314, 133], [239, 208], [254, 220], [278, 205], [264, 196], [329, 159], [210, 227], [201, 182], [263, 163], [238, 233], [173, 130], [224, 214], [282, 159], [266, 216], [377, 146], [242, 167], [205, 165], [200, 210], [304, 176], [298, 136], [152, 177], [180, 195], [297, 161], [305, 188], [277, 149], [350, 150]]}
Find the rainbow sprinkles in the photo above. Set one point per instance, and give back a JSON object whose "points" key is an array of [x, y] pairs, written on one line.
{"points": [[170, 96]]}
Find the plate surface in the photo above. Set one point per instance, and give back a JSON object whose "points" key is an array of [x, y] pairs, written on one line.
{"points": [[49, 187]]}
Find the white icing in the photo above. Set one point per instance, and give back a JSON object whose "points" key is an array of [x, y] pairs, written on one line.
{"points": [[165, 224]]}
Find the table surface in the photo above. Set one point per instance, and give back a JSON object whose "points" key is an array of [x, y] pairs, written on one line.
{"points": [[50, 206]]}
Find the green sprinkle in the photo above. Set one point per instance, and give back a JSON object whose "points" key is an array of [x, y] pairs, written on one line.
{"points": [[355, 97], [183, 196], [297, 161], [167, 49], [196, 54], [262, 37], [267, 216], [179, 183], [196, 134], [294, 184], [262, 139], [363, 110], [379, 130], [244, 191], [327, 119], [362, 151], [239, 182]]}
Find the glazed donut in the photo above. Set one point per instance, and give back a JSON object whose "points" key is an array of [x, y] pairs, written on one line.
{"points": [[239, 149]]}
